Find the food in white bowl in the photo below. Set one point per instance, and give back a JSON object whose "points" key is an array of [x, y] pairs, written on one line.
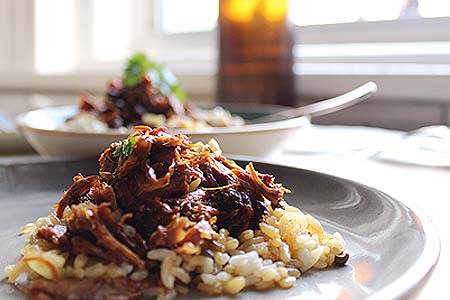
{"points": [[166, 216], [147, 94], [42, 129]]}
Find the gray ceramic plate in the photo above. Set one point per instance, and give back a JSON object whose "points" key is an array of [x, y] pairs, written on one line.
{"points": [[393, 248]]}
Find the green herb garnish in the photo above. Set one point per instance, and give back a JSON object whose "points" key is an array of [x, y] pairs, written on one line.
{"points": [[125, 148], [135, 70], [162, 77]]}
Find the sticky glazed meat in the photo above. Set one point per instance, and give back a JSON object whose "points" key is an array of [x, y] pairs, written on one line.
{"points": [[125, 106], [167, 190], [147, 93]]}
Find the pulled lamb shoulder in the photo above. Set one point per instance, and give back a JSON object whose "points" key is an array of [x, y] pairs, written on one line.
{"points": [[156, 189], [154, 182], [124, 105]]}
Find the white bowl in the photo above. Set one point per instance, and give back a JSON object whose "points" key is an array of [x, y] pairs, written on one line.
{"points": [[40, 128]]}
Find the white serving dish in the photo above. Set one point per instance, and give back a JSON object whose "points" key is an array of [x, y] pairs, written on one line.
{"points": [[40, 128]]}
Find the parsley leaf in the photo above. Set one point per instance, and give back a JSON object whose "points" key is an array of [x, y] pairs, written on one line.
{"points": [[162, 77], [135, 70], [125, 148]]}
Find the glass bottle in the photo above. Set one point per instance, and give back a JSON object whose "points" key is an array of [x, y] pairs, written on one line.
{"points": [[255, 52]]}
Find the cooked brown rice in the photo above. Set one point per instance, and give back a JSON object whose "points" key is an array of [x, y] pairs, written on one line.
{"points": [[287, 244]]}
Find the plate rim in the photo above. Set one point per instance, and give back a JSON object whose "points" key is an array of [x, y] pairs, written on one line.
{"points": [[421, 271]]}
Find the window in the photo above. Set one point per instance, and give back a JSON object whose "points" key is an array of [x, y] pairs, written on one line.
{"points": [[200, 15], [179, 16], [334, 38], [55, 36], [354, 35], [76, 34], [434, 8], [403, 45], [5, 36], [86, 34], [111, 29], [306, 12], [392, 41]]}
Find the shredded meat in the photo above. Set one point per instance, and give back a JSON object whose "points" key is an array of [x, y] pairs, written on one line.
{"points": [[168, 191], [237, 209], [125, 106], [95, 220], [179, 231], [76, 193], [56, 235]]}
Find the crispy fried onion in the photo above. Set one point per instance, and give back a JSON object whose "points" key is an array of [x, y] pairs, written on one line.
{"points": [[272, 191], [179, 231]]}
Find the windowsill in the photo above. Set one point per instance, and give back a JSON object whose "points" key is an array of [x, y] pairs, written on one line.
{"points": [[409, 71], [425, 84], [202, 84], [369, 50]]}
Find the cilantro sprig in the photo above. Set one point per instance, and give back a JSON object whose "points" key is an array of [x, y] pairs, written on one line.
{"points": [[125, 149], [162, 77]]}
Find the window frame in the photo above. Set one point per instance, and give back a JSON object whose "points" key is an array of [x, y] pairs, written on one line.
{"points": [[5, 35]]}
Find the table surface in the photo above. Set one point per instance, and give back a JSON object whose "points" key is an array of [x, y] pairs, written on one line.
{"points": [[349, 153]]}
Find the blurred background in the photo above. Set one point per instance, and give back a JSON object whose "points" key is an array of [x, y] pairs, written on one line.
{"points": [[51, 50]]}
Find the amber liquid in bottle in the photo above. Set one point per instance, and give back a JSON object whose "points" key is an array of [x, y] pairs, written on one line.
{"points": [[255, 54]]}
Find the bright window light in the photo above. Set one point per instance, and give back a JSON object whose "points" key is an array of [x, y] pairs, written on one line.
{"points": [[188, 16], [55, 36], [434, 8], [314, 12], [112, 28], [380, 10]]}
